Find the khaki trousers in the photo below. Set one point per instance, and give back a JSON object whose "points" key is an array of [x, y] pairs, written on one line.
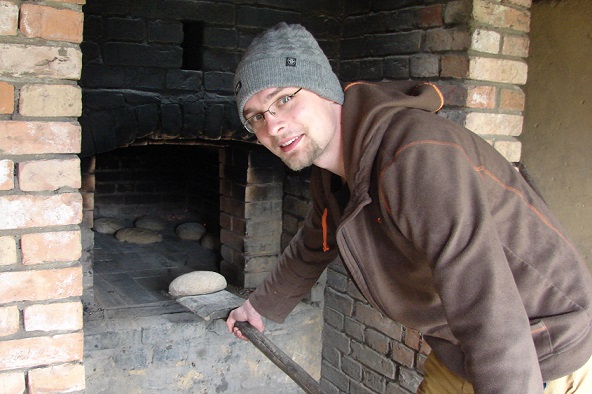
{"points": [[438, 379]]}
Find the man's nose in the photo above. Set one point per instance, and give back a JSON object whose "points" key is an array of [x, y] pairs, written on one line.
{"points": [[273, 124]]}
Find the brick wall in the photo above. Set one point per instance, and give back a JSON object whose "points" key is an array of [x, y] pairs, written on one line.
{"points": [[138, 83], [250, 213], [41, 338], [164, 180], [474, 50]]}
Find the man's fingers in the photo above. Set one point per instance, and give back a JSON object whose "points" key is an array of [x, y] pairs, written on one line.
{"points": [[239, 334]]}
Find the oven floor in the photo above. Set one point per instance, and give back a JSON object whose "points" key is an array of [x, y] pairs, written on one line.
{"points": [[129, 275]]}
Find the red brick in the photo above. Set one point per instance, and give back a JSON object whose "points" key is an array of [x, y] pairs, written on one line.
{"points": [[8, 18], [512, 99], [6, 175], [6, 95], [454, 66], [51, 247], [24, 138], [372, 318], [403, 355], [430, 16], [57, 379], [32, 352], [23, 211], [412, 338], [40, 285], [42, 175], [481, 97], [425, 348], [9, 321], [12, 382], [63, 316], [50, 23], [516, 46]]}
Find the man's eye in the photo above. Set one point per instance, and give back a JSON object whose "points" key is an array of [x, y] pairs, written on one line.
{"points": [[256, 118], [284, 100]]}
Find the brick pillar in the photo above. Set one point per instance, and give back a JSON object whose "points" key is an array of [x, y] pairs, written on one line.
{"points": [[87, 191], [41, 337], [496, 72], [251, 188]]}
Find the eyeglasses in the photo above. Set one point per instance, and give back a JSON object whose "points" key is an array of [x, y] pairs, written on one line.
{"points": [[279, 107]]}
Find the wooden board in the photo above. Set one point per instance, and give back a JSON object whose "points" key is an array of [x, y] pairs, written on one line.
{"points": [[212, 306]]}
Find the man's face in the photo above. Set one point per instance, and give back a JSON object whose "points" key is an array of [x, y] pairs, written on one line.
{"points": [[303, 135]]}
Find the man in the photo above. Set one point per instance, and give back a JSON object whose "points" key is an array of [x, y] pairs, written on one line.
{"points": [[438, 231]]}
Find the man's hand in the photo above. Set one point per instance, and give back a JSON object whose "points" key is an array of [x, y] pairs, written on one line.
{"points": [[246, 312]]}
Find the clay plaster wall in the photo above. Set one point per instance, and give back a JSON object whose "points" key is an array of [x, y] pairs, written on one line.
{"points": [[557, 137]]}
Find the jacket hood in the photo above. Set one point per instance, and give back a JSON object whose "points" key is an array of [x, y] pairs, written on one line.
{"points": [[368, 110]]}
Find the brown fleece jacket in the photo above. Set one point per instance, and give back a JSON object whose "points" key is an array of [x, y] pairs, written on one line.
{"points": [[443, 235]]}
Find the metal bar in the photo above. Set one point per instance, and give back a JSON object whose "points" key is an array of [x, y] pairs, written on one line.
{"points": [[279, 358]]}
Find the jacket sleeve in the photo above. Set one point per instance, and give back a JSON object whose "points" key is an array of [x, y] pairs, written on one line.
{"points": [[438, 197], [298, 269]]}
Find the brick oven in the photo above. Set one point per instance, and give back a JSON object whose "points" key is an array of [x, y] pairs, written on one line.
{"points": [[126, 108]]}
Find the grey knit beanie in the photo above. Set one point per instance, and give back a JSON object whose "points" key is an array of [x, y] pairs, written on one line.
{"points": [[285, 55]]}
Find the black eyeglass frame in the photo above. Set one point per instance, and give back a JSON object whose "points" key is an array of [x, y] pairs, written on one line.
{"points": [[247, 125]]}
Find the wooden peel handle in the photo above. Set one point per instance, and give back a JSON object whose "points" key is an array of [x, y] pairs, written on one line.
{"points": [[279, 358]]}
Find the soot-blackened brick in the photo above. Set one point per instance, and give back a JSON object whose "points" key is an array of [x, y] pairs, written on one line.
{"points": [[264, 17], [394, 44], [101, 76], [193, 119], [128, 54], [349, 70], [91, 51], [104, 99], [371, 69], [198, 11], [214, 121], [138, 97], [184, 80], [165, 32], [220, 37], [396, 68], [108, 7], [261, 157], [147, 119], [93, 27], [145, 78], [220, 60], [221, 82], [171, 117], [387, 5], [125, 29], [125, 125]]}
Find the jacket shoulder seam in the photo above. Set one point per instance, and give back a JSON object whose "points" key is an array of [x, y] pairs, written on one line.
{"points": [[477, 168]]}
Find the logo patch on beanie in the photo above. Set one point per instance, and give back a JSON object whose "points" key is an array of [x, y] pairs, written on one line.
{"points": [[290, 62], [237, 88]]}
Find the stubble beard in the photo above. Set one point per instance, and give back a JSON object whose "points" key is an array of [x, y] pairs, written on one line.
{"points": [[304, 158]]}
